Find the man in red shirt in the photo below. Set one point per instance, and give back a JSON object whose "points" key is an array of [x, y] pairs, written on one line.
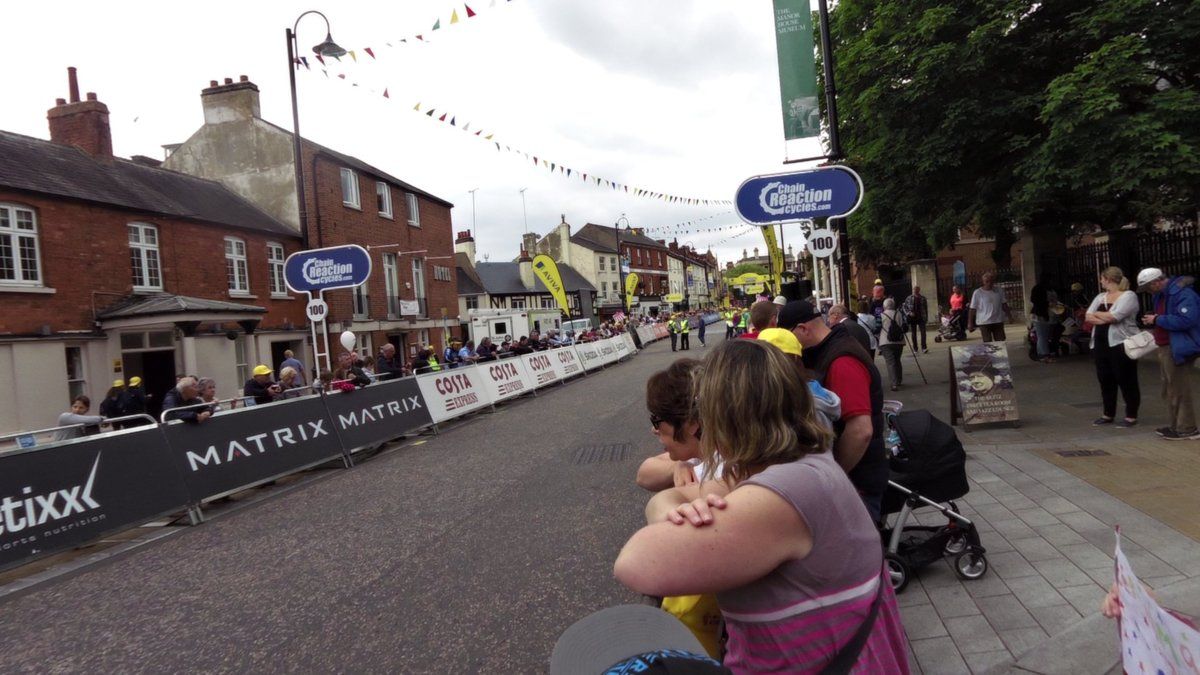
{"points": [[763, 315], [844, 367]]}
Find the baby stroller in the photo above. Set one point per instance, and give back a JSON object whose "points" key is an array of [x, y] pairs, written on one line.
{"points": [[951, 328], [928, 468]]}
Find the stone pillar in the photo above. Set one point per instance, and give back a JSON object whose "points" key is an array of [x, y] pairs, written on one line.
{"points": [[1038, 249], [923, 273], [188, 328]]}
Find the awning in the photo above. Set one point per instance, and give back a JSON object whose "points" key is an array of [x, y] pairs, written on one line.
{"points": [[139, 311]]}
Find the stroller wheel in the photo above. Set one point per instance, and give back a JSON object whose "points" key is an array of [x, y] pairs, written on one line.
{"points": [[971, 565], [898, 572], [955, 545], [937, 338]]}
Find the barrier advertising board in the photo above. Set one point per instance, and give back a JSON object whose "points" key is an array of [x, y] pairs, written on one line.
{"points": [[589, 355], [243, 447], [608, 352], [61, 496], [455, 392], [566, 363], [630, 347], [378, 413], [506, 378], [540, 366], [646, 334]]}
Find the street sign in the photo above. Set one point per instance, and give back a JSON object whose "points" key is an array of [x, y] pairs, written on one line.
{"points": [[829, 192], [822, 243], [317, 309], [673, 297], [322, 269]]}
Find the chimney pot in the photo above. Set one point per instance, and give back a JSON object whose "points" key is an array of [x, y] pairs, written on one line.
{"points": [[244, 78], [229, 80], [91, 96], [212, 83], [73, 84], [60, 101]]}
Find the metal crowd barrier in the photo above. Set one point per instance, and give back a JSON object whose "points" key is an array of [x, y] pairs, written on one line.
{"points": [[76, 490]]}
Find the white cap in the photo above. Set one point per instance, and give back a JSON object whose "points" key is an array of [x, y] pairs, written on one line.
{"points": [[1147, 275], [780, 300]]}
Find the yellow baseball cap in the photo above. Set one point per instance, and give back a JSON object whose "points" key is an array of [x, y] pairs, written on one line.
{"points": [[118, 383], [262, 370], [784, 339], [135, 381]]}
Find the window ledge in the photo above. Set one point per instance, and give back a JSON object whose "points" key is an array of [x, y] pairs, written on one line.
{"points": [[242, 295], [41, 290], [348, 205], [276, 296], [413, 224], [386, 215]]}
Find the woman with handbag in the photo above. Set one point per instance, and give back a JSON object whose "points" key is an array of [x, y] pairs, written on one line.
{"points": [[1113, 316], [791, 552]]}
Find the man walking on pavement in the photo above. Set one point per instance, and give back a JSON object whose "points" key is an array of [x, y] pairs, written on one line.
{"points": [[684, 327], [916, 312], [988, 310], [700, 319], [290, 361], [1176, 326], [840, 316]]}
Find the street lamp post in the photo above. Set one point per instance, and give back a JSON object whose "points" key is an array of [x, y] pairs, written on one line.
{"points": [[473, 191], [327, 48], [621, 264], [524, 213]]}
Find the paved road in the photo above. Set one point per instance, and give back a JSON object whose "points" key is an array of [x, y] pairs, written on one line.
{"points": [[469, 552]]}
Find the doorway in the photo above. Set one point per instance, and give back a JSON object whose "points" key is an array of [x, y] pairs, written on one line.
{"points": [[157, 370], [277, 350]]}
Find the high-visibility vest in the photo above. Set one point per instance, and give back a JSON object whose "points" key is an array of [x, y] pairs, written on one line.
{"points": [[434, 366], [672, 327], [686, 326], [742, 321]]}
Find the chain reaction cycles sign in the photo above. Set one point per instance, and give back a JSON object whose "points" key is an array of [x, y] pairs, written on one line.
{"points": [[829, 192], [322, 269]]}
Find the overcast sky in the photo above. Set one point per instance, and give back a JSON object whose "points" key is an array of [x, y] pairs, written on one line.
{"points": [[675, 96]]}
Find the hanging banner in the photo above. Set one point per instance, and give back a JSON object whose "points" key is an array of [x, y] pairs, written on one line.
{"points": [[797, 69], [547, 270], [776, 255], [631, 282]]}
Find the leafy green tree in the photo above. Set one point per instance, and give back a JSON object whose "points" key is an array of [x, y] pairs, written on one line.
{"points": [[745, 268], [997, 114]]}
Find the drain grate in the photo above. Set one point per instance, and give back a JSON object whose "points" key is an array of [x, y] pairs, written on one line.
{"points": [[602, 454], [1081, 453]]}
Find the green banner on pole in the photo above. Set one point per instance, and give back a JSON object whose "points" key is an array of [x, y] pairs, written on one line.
{"points": [[797, 69]]}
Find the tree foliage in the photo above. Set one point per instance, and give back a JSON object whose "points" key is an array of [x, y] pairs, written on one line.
{"points": [[745, 268], [998, 114]]}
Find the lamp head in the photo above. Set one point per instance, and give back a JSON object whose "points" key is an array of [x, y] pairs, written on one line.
{"points": [[329, 48]]}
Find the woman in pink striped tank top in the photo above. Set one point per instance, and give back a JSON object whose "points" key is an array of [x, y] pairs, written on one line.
{"points": [[791, 552]]}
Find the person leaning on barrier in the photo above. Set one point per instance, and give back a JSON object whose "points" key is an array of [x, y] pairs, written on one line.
{"points": [[388, 365], [260, 386], [290, 361], [486, 351], [349, 371], [77, 415], [177, 401]]}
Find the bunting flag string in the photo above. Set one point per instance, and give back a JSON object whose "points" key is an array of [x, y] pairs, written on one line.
{"points": [[445, 116], [417, 38]]}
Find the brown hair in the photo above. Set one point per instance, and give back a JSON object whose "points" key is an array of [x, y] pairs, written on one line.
{"points": [[761, 314], [669, 395], [1115, 275], [82, 399], [754, 409]]}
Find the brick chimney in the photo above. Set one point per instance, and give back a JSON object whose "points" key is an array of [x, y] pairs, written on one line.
{"points": [[230, 101], [83, 124], [465, 243], [529, 242]]}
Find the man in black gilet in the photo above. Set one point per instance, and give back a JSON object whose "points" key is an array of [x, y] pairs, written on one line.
{"points": [[845, 368]]}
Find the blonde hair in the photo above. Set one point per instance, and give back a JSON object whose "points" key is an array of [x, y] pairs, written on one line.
{"points": [[288, 372], [755, 410], [1115, 275]]}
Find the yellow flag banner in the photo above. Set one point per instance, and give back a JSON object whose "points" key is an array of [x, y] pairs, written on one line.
{"points": [[776, 254], [547, 270], [631, 282]]}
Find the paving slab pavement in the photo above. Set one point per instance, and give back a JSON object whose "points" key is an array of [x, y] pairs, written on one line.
{"points": [[1046, 514]]}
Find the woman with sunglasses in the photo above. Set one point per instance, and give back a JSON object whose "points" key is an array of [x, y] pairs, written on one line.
{"points": [[791, 553], [674, 422]]}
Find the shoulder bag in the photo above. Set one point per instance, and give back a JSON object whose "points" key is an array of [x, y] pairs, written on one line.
{"points": [[1139, 345]]}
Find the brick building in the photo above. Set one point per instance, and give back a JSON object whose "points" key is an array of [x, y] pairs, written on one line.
{"points": [[411, 298], [113, 268]]}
